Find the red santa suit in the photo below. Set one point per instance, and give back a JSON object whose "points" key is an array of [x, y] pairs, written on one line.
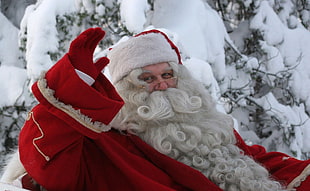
{"points": [[67, 144]]}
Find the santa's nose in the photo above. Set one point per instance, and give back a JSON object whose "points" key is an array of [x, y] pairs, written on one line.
{"points": [[162, 85]]}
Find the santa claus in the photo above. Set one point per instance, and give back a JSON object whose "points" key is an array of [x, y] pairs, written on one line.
{"points": [[167, 136]]}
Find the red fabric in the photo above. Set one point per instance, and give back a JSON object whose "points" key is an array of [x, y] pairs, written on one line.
{"points": [[281, 166], [29, 184]]}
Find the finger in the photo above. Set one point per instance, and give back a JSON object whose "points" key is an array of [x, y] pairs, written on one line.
{"points": [[101, 63], [89, 38], [93, 38], [78, 42], [81, 40]]}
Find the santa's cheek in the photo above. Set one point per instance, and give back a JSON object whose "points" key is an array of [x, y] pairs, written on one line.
{"points": [[172, 84], [150, 88]]}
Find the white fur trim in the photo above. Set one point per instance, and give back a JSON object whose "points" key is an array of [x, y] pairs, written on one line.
{"points": [[140, 51], [299, 179]]}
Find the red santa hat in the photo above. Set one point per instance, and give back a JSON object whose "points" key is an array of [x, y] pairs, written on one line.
{"points": [[146, 48]]}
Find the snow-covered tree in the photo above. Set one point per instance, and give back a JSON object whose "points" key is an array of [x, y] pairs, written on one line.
{"points": [[273, 35]]}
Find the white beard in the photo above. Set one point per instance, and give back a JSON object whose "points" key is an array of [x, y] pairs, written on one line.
{"points": [[184, 124]]}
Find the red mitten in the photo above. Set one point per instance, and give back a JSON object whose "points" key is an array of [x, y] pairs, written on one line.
{"points": [[82, 49]]}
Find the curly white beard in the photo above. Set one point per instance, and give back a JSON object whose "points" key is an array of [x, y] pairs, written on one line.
{"points": [[184, 124]]}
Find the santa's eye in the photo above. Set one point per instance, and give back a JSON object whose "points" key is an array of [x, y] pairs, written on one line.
{"points": [[167, 75], [147, 78]]}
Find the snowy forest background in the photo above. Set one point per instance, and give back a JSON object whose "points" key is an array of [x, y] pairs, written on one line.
{"points": [[252, 55]]}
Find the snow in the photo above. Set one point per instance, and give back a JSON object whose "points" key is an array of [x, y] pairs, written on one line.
{"points": [[8, 43], [134, 12], [201, 38], [12, 89], [8, 187], [293, 44], [42, 35], [201, 42]]}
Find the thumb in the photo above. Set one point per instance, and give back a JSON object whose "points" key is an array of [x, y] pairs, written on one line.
{"points": [[101, 63]]}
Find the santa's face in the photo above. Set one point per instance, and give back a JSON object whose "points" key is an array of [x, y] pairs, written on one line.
{"points": [[158, 77], [163, 93]]}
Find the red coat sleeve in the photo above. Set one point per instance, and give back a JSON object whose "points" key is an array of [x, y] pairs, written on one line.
{"points": [[65, 95], [289, 171]]}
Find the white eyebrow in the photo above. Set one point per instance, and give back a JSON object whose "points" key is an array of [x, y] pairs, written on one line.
{"points": [[148, 71]]}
